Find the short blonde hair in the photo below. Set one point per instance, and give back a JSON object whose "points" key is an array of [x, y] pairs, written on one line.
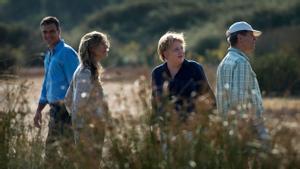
{"points": [[167, 40]]}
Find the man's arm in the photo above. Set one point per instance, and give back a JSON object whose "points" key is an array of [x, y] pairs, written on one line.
{"points": [[157, 97], [240, 86], [256, 98], [69, 98], [42, 103], [70, 64]]}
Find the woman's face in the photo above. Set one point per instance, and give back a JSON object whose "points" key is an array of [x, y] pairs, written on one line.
{"points": [[100, 51], [174, 55]]}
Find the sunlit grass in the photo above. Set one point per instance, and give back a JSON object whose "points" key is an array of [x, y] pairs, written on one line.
{"points": [[281, 103], [131, 140]]}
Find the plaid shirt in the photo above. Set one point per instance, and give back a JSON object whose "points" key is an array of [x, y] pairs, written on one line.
{"points": [[237, 86]]}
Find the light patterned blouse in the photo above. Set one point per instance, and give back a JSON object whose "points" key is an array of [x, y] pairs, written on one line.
{"points": [[84, 99]]}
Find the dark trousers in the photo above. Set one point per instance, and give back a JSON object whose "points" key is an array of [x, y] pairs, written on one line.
{"points": [[59, 141]]}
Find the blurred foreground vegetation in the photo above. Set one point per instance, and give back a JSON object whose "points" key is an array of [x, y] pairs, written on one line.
{"points": [[135, 26], [131, 142]]}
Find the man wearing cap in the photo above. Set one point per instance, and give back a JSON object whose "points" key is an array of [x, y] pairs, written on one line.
{"points": [[237, 87]]}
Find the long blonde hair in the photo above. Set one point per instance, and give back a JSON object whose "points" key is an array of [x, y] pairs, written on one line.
{"points": [[87, 43]]}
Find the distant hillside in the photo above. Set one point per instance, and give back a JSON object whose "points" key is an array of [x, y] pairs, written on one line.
{"points": [[139, 24], [134, 27]]}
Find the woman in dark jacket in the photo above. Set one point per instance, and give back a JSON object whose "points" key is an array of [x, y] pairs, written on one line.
{"points": [[178, 81]]}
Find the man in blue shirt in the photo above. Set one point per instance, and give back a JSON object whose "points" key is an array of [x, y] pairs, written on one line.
{"points": [[60, 62]]}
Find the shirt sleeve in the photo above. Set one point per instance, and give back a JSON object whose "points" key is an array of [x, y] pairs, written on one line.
{"points": [[154, 86], [223, 88], [83, 89], [156, 100], [256, 96], [70, 64], [241, 81], [69, 97], [43, 96]]}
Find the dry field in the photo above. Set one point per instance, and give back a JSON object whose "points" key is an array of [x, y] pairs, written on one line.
{"points": [[122, 82], [117, 83], [121, 89]]}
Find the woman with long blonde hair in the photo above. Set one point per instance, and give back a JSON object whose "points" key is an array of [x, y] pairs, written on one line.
{"points": [[85, 99]]}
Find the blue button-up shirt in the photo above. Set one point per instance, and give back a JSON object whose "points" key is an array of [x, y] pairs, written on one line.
{"points": [[237, 86], [60, 64]]}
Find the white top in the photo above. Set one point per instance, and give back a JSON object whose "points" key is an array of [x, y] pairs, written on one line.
{"points": [[84, 98]]}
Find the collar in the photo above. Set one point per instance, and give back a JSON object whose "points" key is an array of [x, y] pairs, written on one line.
{"points": [[236, 50], [184, 63], [57, 47]]}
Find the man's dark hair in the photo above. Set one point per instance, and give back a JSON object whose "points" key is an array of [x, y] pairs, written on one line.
{"points": [[232, 38], [50, 20]]}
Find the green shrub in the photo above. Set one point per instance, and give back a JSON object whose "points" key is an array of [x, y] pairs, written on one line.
{"points": [[278, 74]]}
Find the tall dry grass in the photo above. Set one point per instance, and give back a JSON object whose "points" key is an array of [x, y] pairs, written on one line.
{"points": [[20, 145], [132, 140]]}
